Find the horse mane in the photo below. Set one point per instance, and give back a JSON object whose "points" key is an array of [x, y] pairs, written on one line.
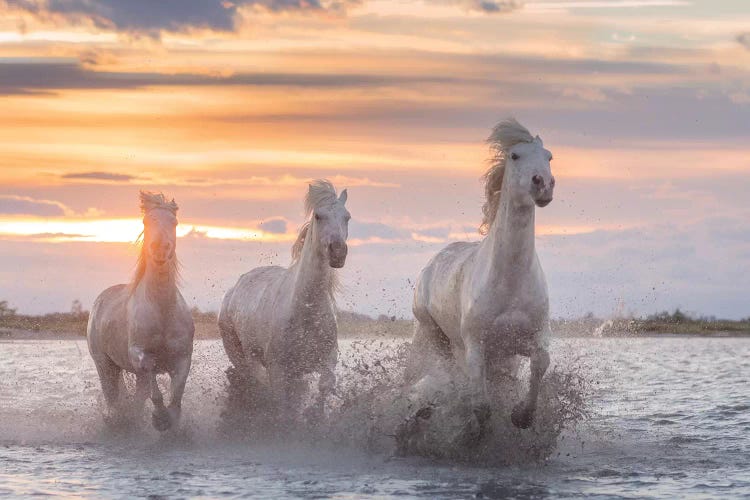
{"points": [[320, 193], [150, 201], [505, 135]]}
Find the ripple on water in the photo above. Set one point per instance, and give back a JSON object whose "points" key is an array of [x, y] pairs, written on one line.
{"points": [[53, 442]]}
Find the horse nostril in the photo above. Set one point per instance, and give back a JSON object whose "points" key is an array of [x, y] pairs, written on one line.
{"points": [[552, 181], [537, 180]]}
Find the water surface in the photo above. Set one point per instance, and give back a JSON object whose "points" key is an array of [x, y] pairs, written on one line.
{"points": [[669, 418]]}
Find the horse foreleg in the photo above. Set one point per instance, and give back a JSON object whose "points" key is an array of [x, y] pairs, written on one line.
{"points": [[327, 382], [145, 366], [160, 417], [522, 415], [142, 389], [178, 377], [287, 391], [476, 370]]}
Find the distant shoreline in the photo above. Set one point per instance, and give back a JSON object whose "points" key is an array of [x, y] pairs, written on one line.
{"points": [[355, 325], [15, 334]]}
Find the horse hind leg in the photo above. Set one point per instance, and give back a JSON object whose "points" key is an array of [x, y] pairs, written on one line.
{"points": [[429, 345], [232, 344], [247, 373], [110, 376]]}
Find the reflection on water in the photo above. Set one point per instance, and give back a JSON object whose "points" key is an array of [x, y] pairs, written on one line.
{"points": [[669, 417]]}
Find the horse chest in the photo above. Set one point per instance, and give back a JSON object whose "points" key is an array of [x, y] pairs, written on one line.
{"points": [[155, 330], [305, 343], [507, 323]]}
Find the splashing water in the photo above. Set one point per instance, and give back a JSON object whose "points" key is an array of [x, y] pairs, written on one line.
{"points": [[374, 410], [668, 419]]}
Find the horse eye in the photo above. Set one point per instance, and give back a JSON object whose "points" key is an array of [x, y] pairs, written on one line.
{"points": [[513, 156], [317, 217]]}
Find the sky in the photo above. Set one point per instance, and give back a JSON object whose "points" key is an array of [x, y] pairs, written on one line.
{"points": [[232, 107]]}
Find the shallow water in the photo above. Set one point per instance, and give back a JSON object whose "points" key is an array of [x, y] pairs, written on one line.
{"points": [[670, 417]]}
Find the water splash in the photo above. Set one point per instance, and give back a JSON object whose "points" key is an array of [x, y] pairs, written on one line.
{"points": [[376, 411]]}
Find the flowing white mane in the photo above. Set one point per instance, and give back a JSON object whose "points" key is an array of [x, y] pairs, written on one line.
{"points": [[504, 136], [150, 200], [321, 193]]}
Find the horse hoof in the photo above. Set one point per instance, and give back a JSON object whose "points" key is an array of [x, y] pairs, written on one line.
{"points": [[161, 420], [522, 417]]}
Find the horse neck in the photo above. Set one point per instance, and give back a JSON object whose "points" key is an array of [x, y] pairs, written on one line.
{"points": [[509, 244], [314, 276], [159, 284]]}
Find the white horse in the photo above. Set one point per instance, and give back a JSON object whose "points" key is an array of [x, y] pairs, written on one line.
{"points": [[145, 327], [281, 323], [484, 304]]}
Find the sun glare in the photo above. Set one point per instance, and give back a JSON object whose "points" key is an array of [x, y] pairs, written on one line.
{"points": [[122, 231]]}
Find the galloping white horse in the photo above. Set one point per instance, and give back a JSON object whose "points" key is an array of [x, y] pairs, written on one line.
{"points": [[483, 304], [282, 322], [146, 327]]}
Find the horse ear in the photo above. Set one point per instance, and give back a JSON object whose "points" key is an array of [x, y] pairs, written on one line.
{"points": [[539, 140], [343, 196]]}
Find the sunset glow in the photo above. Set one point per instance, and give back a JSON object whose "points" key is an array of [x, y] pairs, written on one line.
{"points": [[232, 108]]}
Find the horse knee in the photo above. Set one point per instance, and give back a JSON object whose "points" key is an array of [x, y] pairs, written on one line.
{"points": [[540, 362]]}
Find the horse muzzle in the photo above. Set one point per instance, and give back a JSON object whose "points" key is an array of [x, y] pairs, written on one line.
{"points": [[542, 190], [337, 254], [163, 260], [543, 202]]}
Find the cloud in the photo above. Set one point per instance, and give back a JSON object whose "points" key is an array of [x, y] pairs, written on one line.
{"points": [[647, 269], [650, 268], [744, 39], [22, 76], [56, 236], [496, 6], [367, 230], [276, 225], [22, 205], [605, 4], [99, 176], [152, 17]]}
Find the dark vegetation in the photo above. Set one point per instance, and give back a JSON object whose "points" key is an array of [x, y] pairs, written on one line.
{"points": [[677, 322], [74, 323]]}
